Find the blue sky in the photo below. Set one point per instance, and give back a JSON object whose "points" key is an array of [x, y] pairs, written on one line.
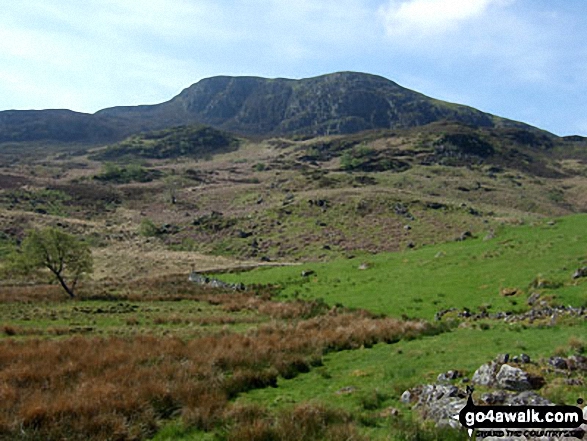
{"points": [[521, 59]]}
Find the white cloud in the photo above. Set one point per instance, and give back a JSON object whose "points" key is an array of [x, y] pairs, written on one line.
{"points": [[416, 18]]}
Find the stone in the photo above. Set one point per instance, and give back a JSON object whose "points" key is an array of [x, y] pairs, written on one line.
{"points": [[577, 362], [508, 292], [558, 362], [515, 379], [389, 412], [485, 375], [440, 403], [308, 273], [346, 390], [524, 358], [406, 397], [448, 376], [581, 272], [502, 358], [534, 297], [494, 398], [489, 236]]}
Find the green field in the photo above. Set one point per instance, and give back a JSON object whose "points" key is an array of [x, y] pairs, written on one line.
{"points": [[467, 274]]}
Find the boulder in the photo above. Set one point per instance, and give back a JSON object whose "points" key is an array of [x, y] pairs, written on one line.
{"points": [[581, 272], [558, 362], [512, 378], [485, 375], [440, 403], [445, 377]]}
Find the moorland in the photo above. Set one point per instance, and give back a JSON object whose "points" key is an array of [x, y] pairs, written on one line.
{"points": [[381, 238]]}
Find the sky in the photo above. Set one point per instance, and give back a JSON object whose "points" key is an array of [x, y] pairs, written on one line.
{"points": [[521, 59]]}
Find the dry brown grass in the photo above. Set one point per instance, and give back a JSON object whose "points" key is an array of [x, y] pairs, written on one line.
{"points": [[31, 293], [304, 422], [114, 388]]}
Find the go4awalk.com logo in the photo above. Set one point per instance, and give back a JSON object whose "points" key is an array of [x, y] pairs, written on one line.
{"points": [[523, 421]]}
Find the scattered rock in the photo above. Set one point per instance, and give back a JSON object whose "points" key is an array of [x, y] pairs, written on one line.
{"points": [[577, 362], [364, 266], [534, 297], [201, 279], [508, 292], [435, 205], [407, 227], [308, 273], [389, 412], [558, 362], [411, 245], [581, 272], [318, 203], [406, 397], [524, 358], [346, 390], [464, 236], [448, 376]]}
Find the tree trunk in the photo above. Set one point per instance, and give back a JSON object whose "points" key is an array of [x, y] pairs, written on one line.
{"points": [[67, 289]]}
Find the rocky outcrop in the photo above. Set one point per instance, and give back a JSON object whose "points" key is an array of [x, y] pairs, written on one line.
{"points": [[539, 311], [510, 386], [211, 282]]}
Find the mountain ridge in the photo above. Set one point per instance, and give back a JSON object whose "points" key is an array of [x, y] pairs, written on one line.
{"points": [[336, 103]]}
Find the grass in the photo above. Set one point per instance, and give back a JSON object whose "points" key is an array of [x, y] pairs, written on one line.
{"points": [[469, 274], [377, 377], [183, 318], [97, 388]]}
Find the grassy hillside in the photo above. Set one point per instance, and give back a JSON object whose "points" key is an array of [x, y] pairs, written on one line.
{"points": [[538, 257], [421, 250], [191, 141]]}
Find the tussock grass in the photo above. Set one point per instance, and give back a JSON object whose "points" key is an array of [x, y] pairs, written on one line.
{"points": [[122, 388]]}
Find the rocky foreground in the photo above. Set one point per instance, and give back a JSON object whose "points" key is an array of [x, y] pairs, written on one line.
{"points": [[508, 381]]}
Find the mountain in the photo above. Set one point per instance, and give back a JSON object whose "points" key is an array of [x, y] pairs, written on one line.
{"points": [[57, 126], [339, 103]]}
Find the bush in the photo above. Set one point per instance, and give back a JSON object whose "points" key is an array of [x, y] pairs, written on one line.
{"points": [[147, 228]]}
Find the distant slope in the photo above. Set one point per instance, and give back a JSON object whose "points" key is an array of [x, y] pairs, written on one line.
{"points": [[339, 103], [58, 126]]}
